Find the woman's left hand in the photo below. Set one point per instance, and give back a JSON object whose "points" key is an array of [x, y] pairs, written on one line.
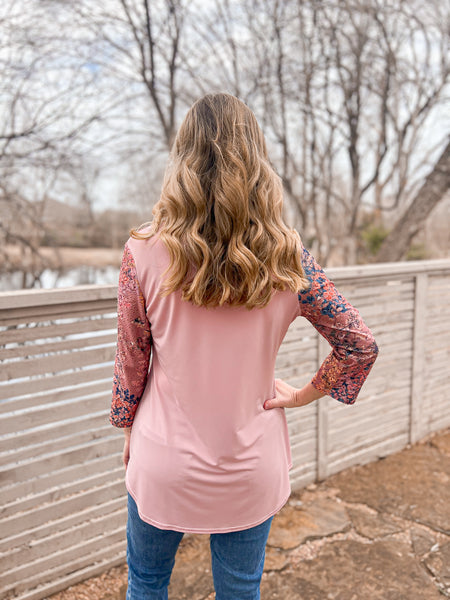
{"points": [[291, 397]]}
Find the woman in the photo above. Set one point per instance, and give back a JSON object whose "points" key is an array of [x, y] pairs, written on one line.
{"points": [[208, 290]]}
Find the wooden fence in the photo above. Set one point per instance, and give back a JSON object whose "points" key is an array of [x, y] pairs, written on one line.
{"points": [[63, 507]]}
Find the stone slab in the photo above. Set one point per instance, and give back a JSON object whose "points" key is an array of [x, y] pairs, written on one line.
{"points": [[293, 525], [413, 484], [438, 562], [351, 570], [372, 526], [422, 540]]}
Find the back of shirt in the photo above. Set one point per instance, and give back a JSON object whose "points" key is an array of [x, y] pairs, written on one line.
{"points": [[205, 456]]}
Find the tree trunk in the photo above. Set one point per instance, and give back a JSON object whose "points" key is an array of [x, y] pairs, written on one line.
{"points": [[396, 244]]}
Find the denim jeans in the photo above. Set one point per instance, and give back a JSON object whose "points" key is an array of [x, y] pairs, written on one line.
{"points": [[237, 559]]}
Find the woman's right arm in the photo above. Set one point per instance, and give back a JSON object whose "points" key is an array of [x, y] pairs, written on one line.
{"points": [[134, 344]]}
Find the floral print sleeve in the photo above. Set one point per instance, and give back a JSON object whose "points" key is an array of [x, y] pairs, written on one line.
{"points": [[134, 341], [354, 349]]}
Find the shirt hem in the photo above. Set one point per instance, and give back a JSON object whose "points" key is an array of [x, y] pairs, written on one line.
{"points": [[207, 530]]}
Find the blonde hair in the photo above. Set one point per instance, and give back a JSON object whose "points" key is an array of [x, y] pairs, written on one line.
{"points": [[220, 211]]}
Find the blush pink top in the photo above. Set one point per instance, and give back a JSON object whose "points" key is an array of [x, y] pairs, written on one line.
{"points": [[205, 457]]}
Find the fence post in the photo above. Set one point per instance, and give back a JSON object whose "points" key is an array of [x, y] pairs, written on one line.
{"points": [[323, 349], [416, 425]]}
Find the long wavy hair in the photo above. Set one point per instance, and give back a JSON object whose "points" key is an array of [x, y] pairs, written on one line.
{"points": [[220, 212]]}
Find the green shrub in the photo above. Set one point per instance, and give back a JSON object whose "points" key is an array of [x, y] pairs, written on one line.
{"points": [[373, 236]]}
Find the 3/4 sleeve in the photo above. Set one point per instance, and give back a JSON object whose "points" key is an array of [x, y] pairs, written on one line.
{"points": [[354, 349], [134, 341]]}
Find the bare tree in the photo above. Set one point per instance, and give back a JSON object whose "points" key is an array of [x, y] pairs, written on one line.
{"points": [[347, 92], [139, 43], [436, 185], [46, 121]]}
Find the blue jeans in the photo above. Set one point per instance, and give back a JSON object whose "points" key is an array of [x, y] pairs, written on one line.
{"points": [[237, 559]]}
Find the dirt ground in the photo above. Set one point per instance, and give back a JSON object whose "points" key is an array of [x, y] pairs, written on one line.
{"points": [[380, 531]]}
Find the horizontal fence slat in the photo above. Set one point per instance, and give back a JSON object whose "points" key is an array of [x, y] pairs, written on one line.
{"points": [[40, 515], [64, 345], [58, 296], [57, 444], [33, 437], [52, 495], [53, 382], [16, 559], [67, 562], [36, 399], [13, 473], [50, 318], [50, 413], [363, 455], [55, 330], [56, 363], [401, 307], [338, 445], [61, 477], [58, 580], [48, 312]]}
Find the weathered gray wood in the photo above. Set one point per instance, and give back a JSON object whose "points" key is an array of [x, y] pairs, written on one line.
{"points": [[365, 439], [27, 538], [302, 474], [47, 313], [418, 357], [80, 484], [57, 444], [38, 548], [34, 436], [50, 413], [398, 334], [294, 348], [58, 330], [51, 481], [323, 349], [55, 395], [398, 348], [295, 358], [378, 309], [42, 514], [80, 293], [435, 404], [397, 286], [57, 363], [366, 454], [28, 469], [387, 270], [392, 322], [356, 427], [64, 345], [53, 382], [101, 562], [296, 370], [65, 563]]}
